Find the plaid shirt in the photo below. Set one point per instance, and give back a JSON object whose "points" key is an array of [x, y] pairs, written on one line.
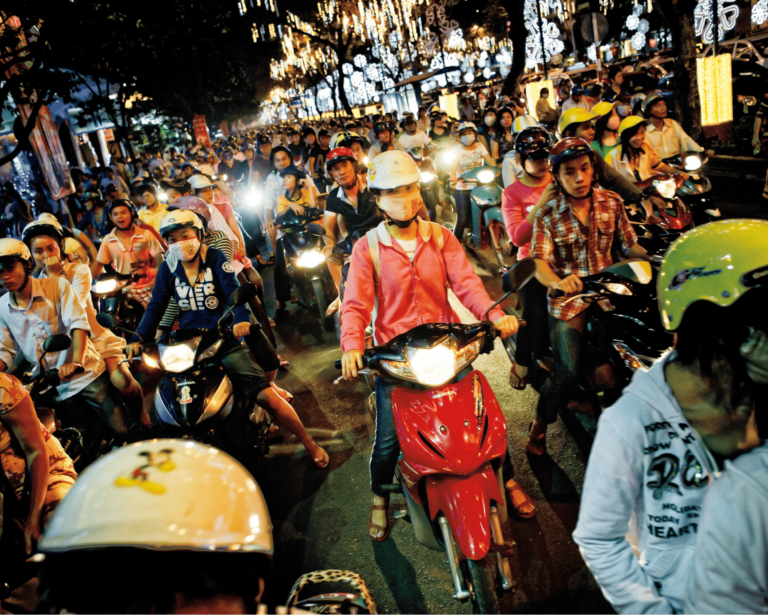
{"points": [[569, 247]]}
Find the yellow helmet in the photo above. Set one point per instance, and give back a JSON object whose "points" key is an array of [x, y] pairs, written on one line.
{"points": [[630, 122], [603, 108], [717, 262], [577, 115]]}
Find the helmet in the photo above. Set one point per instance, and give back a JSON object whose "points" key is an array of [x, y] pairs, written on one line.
{"points": [[603, 108], [717, 262], [206, 169], [163, 494], [339, 154], [349, 140], [392, 169], [532, 140], [340, 138], [466, 126], [71, 246], [521, 123], [416, 152], [194, 204], [577, 115], [382, 126], [635, 103], [295, 171], [631, 122], [651, 100], [180, 219], [568, 149], [93, 195], [198, 181], [12, 251], [434, 110], [578, 90], [41, 227], [122, 203], [262, 140]]}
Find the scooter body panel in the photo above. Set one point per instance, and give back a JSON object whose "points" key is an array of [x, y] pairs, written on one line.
{"points": [[483, 198]]}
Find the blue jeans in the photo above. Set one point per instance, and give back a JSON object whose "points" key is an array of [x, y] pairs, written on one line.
{"points": [[463, 212]]}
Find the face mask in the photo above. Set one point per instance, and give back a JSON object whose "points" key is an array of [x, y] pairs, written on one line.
{"points": [[401, 210], [468, 140], [490, 120], [185, 250]]}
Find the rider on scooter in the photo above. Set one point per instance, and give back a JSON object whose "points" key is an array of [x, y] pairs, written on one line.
{"points": [[573, 237], [665, 135], [418, 262]]}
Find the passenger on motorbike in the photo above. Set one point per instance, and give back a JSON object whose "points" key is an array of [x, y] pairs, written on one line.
{"points": [[129, 249], [661, 446], [385, 139], [201, 283], [609, 116], [573, 237], [503, 140], [230, 169], [32, 311], [418, 261], [84, 251], [511, 171], [665, 135], [204, 189], [44, 240], [468, 155], [413, 137], [438, 129], [94, 220], [153, 210], [317, 157], [487, 129], [634, 158]]}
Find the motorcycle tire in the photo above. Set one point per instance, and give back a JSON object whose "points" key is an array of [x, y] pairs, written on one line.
{"points": [[507, 258], [478, 575], [322, 303]]}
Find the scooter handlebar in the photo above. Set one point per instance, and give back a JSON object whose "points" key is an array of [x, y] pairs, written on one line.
{"points": [[337, 364], [555, 292]]}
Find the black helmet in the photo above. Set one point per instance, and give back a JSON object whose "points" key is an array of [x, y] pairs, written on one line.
{"points": [[95, 196], [262, 139], [533, 143], [122, 203], [382, 126], [295, 171]]}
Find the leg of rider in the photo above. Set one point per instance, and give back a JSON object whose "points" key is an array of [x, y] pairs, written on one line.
{"points": [[533, 338], [477, 215], [463, 210], [282, 281], [386, 449], [126, 384], [567, 338], [251, 381], [266, 356]]}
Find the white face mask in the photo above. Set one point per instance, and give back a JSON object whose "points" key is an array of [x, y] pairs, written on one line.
{"points": [[468, 140], [185, 250], [490, 120], [401, 207]]}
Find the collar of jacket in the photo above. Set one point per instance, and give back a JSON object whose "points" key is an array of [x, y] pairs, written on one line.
{"points": [[425, 230]]}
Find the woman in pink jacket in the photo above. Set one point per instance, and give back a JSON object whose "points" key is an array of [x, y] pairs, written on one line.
{"points": [[417, 267]]}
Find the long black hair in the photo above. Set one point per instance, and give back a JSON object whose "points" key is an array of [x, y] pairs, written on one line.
{"points": [[632, 154]]}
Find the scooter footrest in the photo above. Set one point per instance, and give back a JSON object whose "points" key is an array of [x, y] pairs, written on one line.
{"points": [[391, 488], [507, 549]]}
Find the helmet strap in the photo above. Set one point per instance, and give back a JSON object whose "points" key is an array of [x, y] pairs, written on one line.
{"points": [[399, 223]]}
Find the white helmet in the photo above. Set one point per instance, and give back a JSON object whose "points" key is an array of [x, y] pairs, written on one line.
{"points": [[466, 126], [49, 218], [162, 494], [521, 123], [198, 182], [205, 169], [178, 219], [392, 169], [14, 248]]}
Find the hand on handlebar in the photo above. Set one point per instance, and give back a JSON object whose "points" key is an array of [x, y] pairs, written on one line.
{"points": [[506, 325], [328, 250], [297, 209], [68, 370], [569, 285], [241, 329], [269, 226], [351, 362], [134, 350]]}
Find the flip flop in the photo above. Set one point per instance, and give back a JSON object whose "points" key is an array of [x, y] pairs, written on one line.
{"points": [[521, 382], [515, 489], [536, 446], [375, 528]]}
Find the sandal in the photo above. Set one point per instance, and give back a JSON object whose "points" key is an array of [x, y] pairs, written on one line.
{"points": [[536, 446], [521, 382], [516, 488], [375, 528], [266, 263]]}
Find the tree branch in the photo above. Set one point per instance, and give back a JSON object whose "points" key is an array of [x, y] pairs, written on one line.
{"points": [[23, 136]]}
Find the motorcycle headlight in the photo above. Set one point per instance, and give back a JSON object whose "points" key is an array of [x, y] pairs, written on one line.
{"points": [[692, 163], [485, 176], [618, 289], [365, 160], [210, 351], [449, 156], [427, 177], [224, 177], [433, 366], [179, 357], [310, 259], [469, 353], [162, 196], [105, 286], [253, 198], [399, 369], [666, 188], [149, 361]]}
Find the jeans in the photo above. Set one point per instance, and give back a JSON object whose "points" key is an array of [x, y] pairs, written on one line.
{"points": [[263, 350], [533, 338], [463, 212], [282, 281], [567, 338]]}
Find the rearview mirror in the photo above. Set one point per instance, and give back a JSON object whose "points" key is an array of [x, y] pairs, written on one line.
{"points": [[633, 269], [519, 275], [105, 320], [242, 295], [57, 343]]}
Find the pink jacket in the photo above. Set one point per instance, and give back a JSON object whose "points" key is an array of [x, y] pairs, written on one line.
{"points": [[409, 293]]}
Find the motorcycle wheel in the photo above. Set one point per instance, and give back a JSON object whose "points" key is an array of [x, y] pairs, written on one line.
{"points": [[322, 303], [505, 258], [478, 574]]}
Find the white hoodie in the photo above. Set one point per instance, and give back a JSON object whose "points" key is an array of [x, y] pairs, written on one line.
{"points": [[647, 473], [730, 571]]}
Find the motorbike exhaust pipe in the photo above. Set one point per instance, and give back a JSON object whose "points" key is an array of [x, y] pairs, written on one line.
{"points": [[453, 560], [505, 571]]}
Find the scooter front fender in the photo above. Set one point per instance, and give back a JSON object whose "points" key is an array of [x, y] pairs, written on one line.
{"points": [[492, 213], [466, 503]]}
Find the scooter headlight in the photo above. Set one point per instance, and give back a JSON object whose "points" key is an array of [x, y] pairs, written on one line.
{"points": [[310, 259], [433, 366], [692, 163], [179, 357], [427, 177], [253, 199], [469, 353], [398, 369], [149, 361], [210, 351], [666, 188], [102, 287], [618, 289], [486, 176]]}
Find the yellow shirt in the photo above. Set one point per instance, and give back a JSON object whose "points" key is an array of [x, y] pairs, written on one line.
{"points": [[153, 218], [282, 202]]}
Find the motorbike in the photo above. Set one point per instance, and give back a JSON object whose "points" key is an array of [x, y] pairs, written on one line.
{"points": [[487, 219], [696, 191], [665, 208], [359, 602], [110, 296], [304, 258], [196, 400], [453, 440], [430, 187]]}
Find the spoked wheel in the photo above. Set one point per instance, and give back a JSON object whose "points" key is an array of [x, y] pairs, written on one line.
{"points": [[479, 577]]}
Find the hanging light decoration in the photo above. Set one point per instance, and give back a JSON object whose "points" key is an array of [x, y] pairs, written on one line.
{"points": [[469, 77], [760, 12], [534, 54], [715, 89], [702, 19], [637, 42], [632, 22], [643, 27], [592, 53]]}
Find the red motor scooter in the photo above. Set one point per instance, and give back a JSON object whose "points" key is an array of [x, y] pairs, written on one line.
{"points": [[453, 438]]}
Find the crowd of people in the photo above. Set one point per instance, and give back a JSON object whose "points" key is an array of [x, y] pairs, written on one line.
{"points": [[175, 223]]}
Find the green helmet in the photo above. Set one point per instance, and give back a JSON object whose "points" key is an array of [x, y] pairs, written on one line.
{"points": [[717, 262]]}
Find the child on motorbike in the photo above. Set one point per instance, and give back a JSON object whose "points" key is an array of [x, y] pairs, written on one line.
{"points": [[573, 237], [153, 211], [44, 240], [660, 447], [129, 250], [418, 261], [201, 283]]}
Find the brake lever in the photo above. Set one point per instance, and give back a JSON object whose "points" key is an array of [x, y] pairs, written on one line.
{"points": [[361, 372]]}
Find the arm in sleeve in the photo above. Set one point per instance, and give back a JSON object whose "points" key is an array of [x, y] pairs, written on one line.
{"points": [[611, 486], [359, 298], [628, 236], [81, 282], [613, 180], [228, 282], [84, 223], [519, 229], [7, 346], [170, 316], [542, 243], [71, 310], [161, 294], [464, 281], [687, 144], [154, 246]]}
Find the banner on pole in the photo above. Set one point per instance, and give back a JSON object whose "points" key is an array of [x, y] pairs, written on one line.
{"points": [[200, 129]]}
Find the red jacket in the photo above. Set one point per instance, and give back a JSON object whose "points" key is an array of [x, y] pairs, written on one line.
{"points": [[409, 293]]}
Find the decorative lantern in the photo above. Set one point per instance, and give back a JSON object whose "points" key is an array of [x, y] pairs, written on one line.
{"points": [[715, 89]]}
